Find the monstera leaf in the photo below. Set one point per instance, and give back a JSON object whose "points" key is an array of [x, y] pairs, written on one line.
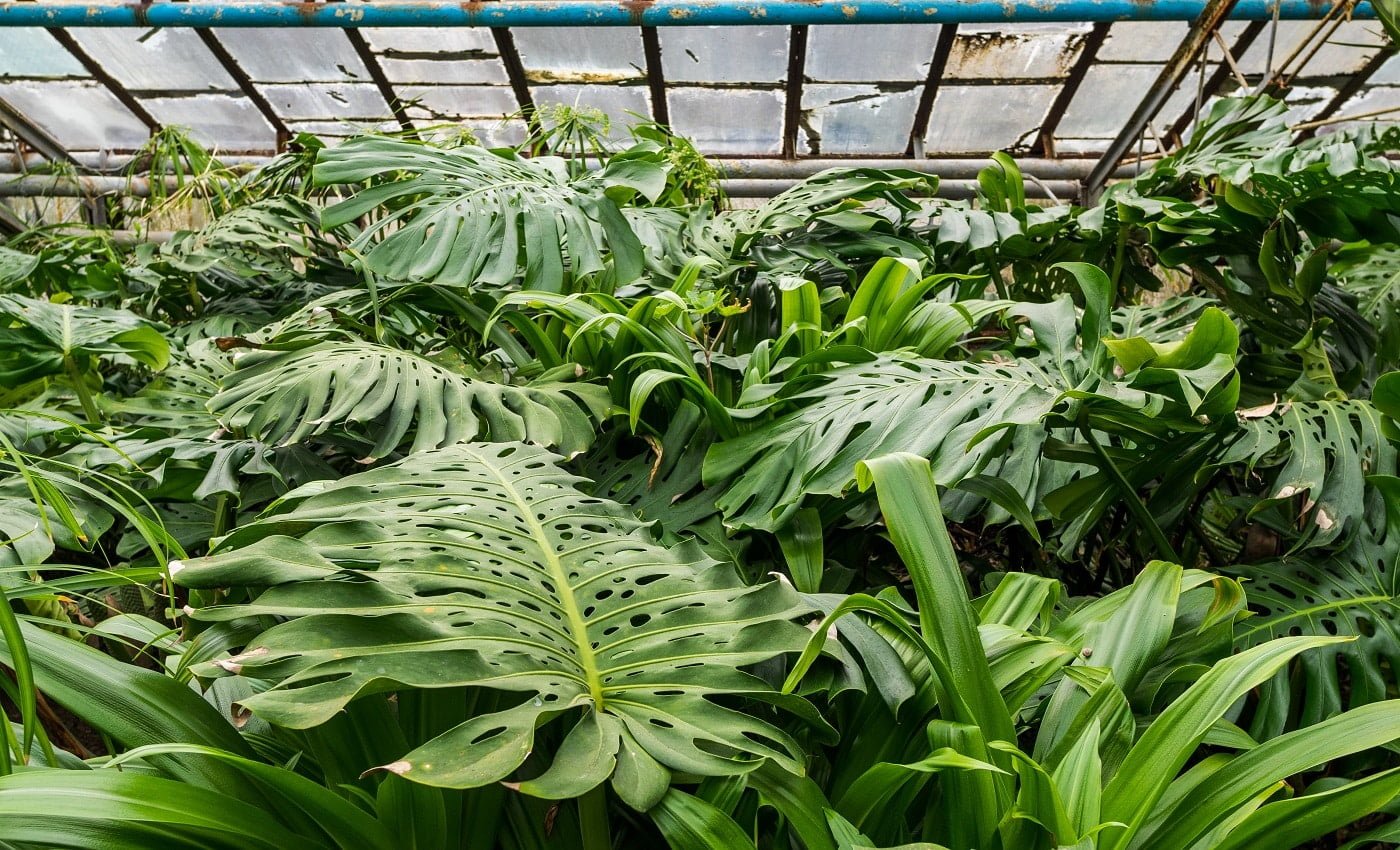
{"points": [[1352, 591], [40, 338], [287, 396], [467, 215], [484, 565], [1321, 450], [893, 403]]}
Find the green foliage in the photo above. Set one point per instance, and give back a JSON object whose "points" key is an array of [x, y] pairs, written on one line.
{"points": [[431, 496]]}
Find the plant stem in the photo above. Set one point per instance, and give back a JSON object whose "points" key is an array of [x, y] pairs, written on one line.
{"points": [[1129, 494], [75, 377], [593, 819], [222, 515]]}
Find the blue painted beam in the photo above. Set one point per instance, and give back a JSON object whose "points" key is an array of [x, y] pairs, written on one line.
{"points": [[540, 13]]}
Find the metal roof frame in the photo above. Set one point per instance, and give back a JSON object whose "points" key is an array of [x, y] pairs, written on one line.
{"points": [[1206, 17]]}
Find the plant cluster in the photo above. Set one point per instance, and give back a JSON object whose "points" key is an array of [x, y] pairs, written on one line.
{"points": [[431, 496]]}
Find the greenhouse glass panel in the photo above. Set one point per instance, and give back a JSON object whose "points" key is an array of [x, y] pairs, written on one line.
{"points": [[843, 54], [558, 54], [443, 42], [848, 119], [217, 121], [623, 105], [1142, 41], [724, 54], [454, 102], [1368, 100], [32, 52], [302, 56], [349, 100], [156, 59], [729, 121], [1346, 51], [437, 71], [1026, 51], [333, 130], [1006, 117], [79, 115]]}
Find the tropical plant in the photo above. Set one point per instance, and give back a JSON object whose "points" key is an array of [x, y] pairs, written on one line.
{"points": [[425, 495]]}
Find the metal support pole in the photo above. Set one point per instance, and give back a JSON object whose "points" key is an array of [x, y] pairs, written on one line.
{"points": [[246, 85], [942, 49], [63, 186], [1045, 144], [656, 76], [1215, 13], [792, 112], [1217, 80], [541, 13], [381, 81]]}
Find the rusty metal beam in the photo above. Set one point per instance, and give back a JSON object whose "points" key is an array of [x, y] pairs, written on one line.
{"points": [[792, 97], [1217, 80], [942, 49], [515, 71], [100, 74], [1045, 140], [246, 85], [656, 76], [1197, 37], [381, 80], [33, 135]]}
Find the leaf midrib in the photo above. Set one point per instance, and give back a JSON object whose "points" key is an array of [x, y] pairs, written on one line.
{"points": [[578, 627]]}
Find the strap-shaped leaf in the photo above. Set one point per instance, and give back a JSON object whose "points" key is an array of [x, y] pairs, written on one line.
{"points": [[288, 396], [484, 565]]}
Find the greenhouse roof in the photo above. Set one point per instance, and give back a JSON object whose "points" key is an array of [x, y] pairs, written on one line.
{"points": [[1086, 82]]}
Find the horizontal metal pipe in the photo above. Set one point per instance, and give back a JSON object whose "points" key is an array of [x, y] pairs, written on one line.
{"points": [[948, 169], [959, 168], [553, 13], [1064, 190], [83, 186]]}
